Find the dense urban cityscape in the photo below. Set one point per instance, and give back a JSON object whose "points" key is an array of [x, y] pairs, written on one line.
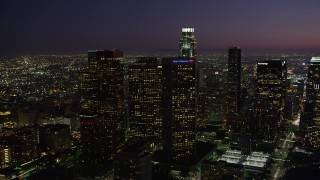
{"points": [[101, 115], [157, 90]]}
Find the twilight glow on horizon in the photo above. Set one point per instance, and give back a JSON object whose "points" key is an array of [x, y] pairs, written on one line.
{"points": [[74, 26]]}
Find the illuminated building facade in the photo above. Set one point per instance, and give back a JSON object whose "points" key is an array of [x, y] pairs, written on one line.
{"points": [[179, 108], [188, 44], [111, 99], [97, 57], [88, 94], [17, 146], [6, 151], [270, 98], [145, 99], [90, 138], [310, 119], [107, 75]]}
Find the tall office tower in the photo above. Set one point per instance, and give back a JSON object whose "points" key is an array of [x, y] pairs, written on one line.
{"points": [[234, 89], [111, 98], [188, 44], [145, 100], [89, 129], [234, 80], [108, 79], [179, 110], [96, 57], [212, 97], [270, 98], [310, 119]]}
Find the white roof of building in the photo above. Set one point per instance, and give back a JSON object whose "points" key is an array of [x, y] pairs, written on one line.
{"points": [[315, 59], [254, 164], [255, 159], [231, 156]]}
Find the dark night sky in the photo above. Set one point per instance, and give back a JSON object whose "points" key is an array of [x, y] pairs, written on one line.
{"points": [[74, 26]]}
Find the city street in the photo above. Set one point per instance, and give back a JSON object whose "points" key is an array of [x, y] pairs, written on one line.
{"points": [[278, 169]]}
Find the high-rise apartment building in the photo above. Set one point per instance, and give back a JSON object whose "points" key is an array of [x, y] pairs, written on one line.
{"points": [[107, 81], [310, 119], [188, 44], [179, 110], [145, 100], [270, 98]]}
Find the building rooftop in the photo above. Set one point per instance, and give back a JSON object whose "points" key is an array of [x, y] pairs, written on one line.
{"points": [[255, 159], [315, 59], [254, 164], [232, 156]]}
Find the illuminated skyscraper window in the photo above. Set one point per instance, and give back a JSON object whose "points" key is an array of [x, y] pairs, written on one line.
{"points": [[270, 97], [103, 112], [179, 107], [310, 119], [145, 98]]}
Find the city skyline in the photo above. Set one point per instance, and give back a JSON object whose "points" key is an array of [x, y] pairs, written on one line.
{"points": [[92, 98], [45, 27], [167, 90]]}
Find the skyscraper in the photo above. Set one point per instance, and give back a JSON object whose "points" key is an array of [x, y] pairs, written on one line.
{"points": [[179, 108], [233, 94], [88, 114], [234, 79], [270, 98], [107, 75], [310, 119], [145, 100], [188, 44], [212, 97], [96, 58]]}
